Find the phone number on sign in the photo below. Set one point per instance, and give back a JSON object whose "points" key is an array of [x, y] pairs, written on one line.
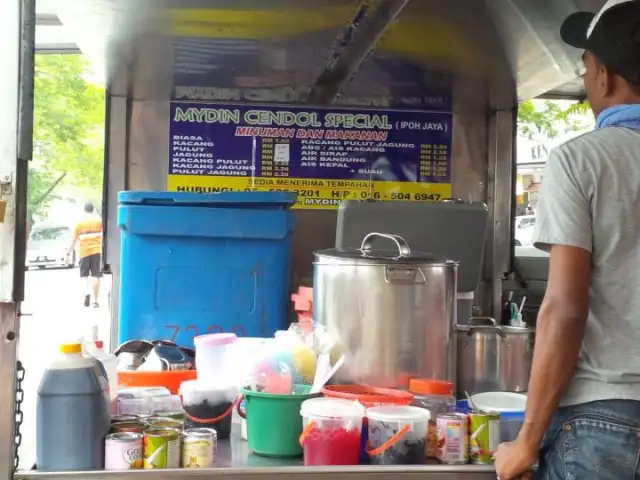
{"points": [[193, 330], [339, 195]]}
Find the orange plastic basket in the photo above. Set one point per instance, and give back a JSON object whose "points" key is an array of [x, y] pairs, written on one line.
{"points": [[170, 380]]}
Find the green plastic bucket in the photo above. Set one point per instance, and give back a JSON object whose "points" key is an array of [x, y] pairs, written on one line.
{"points": [[274, 424]]}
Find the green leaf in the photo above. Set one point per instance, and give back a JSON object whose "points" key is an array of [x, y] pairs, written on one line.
{"points": [[544, 121], [68, 128]]}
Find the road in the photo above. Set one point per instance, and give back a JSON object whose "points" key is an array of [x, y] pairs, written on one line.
{"points": [[53, 313]]}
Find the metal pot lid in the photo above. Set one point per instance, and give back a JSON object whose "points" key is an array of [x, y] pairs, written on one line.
{"points": [[497, 329], [365, 254]]}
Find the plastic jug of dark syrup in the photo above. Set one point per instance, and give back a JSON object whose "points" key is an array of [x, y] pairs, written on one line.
{"points": [[72, 416]]}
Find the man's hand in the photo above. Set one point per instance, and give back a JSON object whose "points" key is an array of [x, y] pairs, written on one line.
{"points": [[514, 460]]}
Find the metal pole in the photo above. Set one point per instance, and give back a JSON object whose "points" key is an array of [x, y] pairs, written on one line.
{"points": [[337, 75], [17, 37]]}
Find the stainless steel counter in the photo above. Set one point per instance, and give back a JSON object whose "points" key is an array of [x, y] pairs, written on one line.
{"points": [[235, 459]]}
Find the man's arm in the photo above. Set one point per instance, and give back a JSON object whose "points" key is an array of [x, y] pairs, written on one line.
{"points": [[74, 240], [560, 328], [563, 228]]}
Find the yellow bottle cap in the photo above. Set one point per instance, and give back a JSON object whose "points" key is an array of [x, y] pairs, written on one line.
{"points": [[71, 348]]}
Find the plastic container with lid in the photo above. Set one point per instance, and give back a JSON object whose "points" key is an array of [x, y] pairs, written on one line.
{"points": [[215, 358], [208, 405], [369, 397], [397, 434], [332, 431], [437, 397]]}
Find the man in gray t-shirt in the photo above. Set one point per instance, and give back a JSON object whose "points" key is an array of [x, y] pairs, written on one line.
{"points": [[583, 407]]}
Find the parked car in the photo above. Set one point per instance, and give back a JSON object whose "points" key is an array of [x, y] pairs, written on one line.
{"points": [[47, 247], [524, 236], [522, 221]]}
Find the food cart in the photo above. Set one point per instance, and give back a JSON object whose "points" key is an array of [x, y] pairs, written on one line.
{"points": [[448, 74]]}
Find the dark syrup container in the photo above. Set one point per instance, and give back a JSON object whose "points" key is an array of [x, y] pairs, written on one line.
{"points": [[208, 405], [397, 435]]}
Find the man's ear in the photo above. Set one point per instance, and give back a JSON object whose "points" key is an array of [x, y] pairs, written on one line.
{"points": [[606, 81]]}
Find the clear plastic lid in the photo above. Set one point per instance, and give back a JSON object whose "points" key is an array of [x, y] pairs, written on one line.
{"points": [[398, 413], [331, 408]]}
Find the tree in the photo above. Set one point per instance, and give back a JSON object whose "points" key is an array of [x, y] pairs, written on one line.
{"points": [[68, 129], [545, 121]]}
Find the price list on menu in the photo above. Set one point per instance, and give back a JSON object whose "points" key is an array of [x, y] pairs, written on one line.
{"points": [[274, 157], [434, 162]]}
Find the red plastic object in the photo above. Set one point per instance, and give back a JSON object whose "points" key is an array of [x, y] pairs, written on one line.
{"points": [[303, 304], [170, 379], [332, 446], [426, 386], [368, 396]]}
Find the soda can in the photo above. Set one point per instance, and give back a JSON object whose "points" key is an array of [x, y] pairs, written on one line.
{"points": [[161, 448], [124, 418], [199, 448], [453, 438], [173, 414], [484, 436], [162, 422], [128, 427], [123, 451]]}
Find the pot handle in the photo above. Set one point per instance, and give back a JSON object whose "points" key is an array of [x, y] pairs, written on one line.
{"points": [[404, 275], [403, 247], [486, 323], [483, 321]]}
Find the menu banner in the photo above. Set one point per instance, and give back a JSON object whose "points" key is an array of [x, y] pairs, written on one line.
{"points": [[324, 155]]}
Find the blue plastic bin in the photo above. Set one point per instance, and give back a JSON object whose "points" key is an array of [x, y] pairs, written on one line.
{"points": [[192, 264]]}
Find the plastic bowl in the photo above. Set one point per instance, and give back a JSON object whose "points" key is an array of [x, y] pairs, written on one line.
{"points": [[501, 402], [169, 379]]}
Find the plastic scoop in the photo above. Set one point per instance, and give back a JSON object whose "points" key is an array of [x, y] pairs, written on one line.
{"points": [[320, 381]]}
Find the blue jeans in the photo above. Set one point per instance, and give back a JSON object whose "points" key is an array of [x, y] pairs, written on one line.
{"points": [[596, 440]]}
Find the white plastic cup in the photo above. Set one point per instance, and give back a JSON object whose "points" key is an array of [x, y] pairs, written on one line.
{"points": [[388, 445], [215, 356], [332, 431]]}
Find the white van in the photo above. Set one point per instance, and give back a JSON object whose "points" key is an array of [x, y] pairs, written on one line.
{"points": [[48, 245]]}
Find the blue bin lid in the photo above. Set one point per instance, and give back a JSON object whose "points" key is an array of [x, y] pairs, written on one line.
{"points": [[143, 197]]}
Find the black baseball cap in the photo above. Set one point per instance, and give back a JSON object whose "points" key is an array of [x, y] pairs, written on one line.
{"points": [[612, 35]]}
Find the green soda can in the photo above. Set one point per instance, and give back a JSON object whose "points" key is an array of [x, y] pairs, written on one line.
{"points": [[484, 436], [161, 448]]}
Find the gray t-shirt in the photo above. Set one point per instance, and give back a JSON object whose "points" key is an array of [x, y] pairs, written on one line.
{"points": [[590, 198]]}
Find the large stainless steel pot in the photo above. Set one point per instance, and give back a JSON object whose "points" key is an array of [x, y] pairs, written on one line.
{"points": [[391, 312], [493, 358]]}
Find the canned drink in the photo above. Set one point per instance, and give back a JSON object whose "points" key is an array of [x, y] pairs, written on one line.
{"points": [[161, 448], [453, 438], [162, 422], [484, 437], [173, 414], [124, 418], [123, 451], [128, 427], [199, 448]]}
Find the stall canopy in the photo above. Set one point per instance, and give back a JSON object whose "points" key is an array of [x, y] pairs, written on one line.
{"points": [[51, 35], [318, 46]]}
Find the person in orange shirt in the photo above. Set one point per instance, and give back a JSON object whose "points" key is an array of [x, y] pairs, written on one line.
{"points": [[88, 236]]}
